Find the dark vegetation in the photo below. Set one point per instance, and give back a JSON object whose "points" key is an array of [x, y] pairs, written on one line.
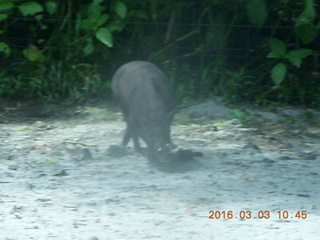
{"points": [[253, 51]]}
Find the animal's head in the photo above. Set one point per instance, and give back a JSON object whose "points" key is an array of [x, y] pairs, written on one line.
{"points": [[158, 139], [161, 154]]}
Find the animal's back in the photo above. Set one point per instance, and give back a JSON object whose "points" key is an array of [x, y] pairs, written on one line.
{"points": [[139, 84]]}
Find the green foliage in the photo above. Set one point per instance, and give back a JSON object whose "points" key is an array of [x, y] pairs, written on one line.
{"points": [[120, 9], [279, 51], [6, 5], [57, 67], [33, 54], [30, 8], [51, 7], [10, 85], [305, 28], [105, 36], [97, 23], [257, 12], [93, 21], [5, 49], [295, 57], [278, 73], [278, 48], [68, 50]]}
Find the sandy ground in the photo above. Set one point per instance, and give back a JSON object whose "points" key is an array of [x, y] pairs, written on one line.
{"points": [[261, 180]]}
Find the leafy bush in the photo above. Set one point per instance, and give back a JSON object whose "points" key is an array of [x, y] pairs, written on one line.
{"points": [[256, 51]]}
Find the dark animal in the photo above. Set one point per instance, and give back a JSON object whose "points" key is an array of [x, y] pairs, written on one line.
{"points": [[148, 105]]}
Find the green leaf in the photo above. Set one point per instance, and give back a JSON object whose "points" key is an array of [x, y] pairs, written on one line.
{"points": [[278, 73], [43, 27], [116, 26], [309, 10], [278, 48], [304, 28], [38, 17], [33, 54], [94, 12], [296, 56], [306, 31], [257, 12], [5, 49], [40, 41], [120, 8], [30, 8], [87, 25], [89, 48], [51, 7], [6, 5], [104, 35], [102, 20], [273, 55], [3, 17]]}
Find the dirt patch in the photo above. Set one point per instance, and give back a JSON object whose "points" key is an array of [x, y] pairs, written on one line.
{"points": [[57, 180]]}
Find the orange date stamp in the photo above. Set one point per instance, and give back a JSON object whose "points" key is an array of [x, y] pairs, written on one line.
{"points": [[257, 215]]}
